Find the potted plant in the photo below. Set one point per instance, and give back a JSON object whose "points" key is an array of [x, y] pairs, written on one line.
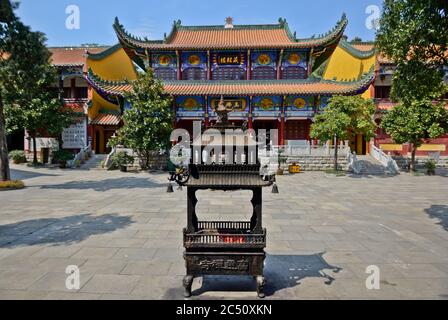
{"points": [[281, 160], [61, 157], [430, 167], [294, 168], [121, 160], [17, 156]]}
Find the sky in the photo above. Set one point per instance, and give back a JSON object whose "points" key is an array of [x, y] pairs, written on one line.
{"points": [[150, 18]]}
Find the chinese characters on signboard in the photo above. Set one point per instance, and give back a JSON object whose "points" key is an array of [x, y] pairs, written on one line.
{"points": [[230, 59], [74, 137]]}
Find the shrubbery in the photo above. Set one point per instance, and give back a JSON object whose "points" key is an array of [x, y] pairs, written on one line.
{"points": [[12, 184], [18, 156]]}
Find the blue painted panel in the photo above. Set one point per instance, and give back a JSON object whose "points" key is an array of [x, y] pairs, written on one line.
{"points": [[193, 59], [266, 106], [299, 106], [190, 107], [264, 59], [164, 60], [295, 59]]}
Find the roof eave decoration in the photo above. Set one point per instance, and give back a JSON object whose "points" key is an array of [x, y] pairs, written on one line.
{"points": [[130, 41], [104, 54], [356, 52], [100, 86], [312, 86], [331, 37]]}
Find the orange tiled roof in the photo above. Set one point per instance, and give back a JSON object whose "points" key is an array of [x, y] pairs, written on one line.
{"points": [[363, 46], [382, 59], [72, 56], [313, 86], [385, 105], [359, 50], [106, 119], [237, 37]]}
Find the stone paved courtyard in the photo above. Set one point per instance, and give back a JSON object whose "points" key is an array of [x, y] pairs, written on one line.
{"points": [[125, 233]]}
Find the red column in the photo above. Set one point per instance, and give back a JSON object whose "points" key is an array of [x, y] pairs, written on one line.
{"points": [[179, 66], [209, 66], [248, 65], [282, 123], [206, 119], [250, 122], [279, 64], [282, 131], [73, 88]]}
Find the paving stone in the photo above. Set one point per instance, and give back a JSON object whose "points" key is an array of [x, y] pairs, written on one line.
{"points": [[56, 281], [19, 279], [57, 252], [135, 254], [154, 267], [323, 232], [95, 253], [103, 266], [113, 284]]}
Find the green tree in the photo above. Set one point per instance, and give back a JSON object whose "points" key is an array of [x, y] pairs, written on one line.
{"points": [[414, 34], [148, 123], [26, 78], [414, 122], [414, 30], [342, 119], [7, 25]]}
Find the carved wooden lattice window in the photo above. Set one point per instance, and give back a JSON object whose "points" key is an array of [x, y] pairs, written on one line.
{"points": [[296, 130], [294, 73], [194, 74], [165, 74], [263, 73], [229, 73]]}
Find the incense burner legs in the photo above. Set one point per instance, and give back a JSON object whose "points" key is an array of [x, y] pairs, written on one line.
{"points": [[188, 282], [261, 282]]}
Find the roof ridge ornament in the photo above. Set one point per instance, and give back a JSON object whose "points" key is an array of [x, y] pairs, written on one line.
{"points": [[282, 21], [229, 23]]}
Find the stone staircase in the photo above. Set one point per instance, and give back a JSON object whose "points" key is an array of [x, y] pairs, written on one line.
{"points": [[318, 163], [94, 163], [370, 166]]}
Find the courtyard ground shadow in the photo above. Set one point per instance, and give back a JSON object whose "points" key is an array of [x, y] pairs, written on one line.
{"points": [[107, 184], [24, 175], [439, 212], [281, 272], [59, 231]]}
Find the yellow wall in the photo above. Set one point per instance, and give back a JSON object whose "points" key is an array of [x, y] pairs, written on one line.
{"points": [[343, 65], [116, 66], [99, 103]]}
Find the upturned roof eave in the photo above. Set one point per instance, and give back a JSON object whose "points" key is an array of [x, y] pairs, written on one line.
{"points": [[128, 40], [268, 88]]}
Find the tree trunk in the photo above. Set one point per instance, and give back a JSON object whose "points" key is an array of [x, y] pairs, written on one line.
{"points": [[5, 174], [414, 150], [33, 136], [336, 154]]}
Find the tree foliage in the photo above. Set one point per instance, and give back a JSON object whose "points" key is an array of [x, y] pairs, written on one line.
{"points": [[343, 118], [414, 34], [414, 122], [148, 123], [414, 30], [26, 78]]}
